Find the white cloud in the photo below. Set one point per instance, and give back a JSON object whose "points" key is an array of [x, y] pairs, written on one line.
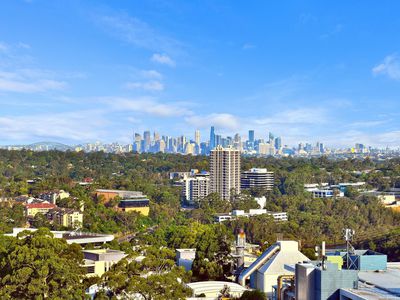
{"points": [[53, 126], [363, 124], [248, 46], [153, 85], [137, 32], [389, 67], [29, 81], [3, 47], [337, 29], [296, 116], [152, 74], [31, 86], [24, 45], [163, 59], [223, 121], [17, 75], [149, 106]]}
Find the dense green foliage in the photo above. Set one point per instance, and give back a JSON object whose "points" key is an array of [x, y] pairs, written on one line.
{"points": [[156, 277], [169, 227], [37, 266]]}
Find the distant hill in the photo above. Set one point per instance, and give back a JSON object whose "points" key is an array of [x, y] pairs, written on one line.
{"points": [[48, 146], [40, 146]]}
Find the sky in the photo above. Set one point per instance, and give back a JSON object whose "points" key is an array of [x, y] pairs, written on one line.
{"points": [[84, 71]]}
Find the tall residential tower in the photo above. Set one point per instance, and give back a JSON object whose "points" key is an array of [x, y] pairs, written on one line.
{"points": [[224, 171]]}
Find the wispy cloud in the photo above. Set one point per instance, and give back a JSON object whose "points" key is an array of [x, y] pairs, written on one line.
{"points": [[336, 30], [30, 87], [390, 67], [163, 59], [24, 45], [296, 116], [3, 47], [248, 46], [151, 74], [148, 105], [137, 32], [364, 124], [153, 85], [19, 73], [54, 126], [29, 81], [223, 121]]}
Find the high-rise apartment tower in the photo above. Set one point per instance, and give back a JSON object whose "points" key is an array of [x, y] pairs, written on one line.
{"points": [[224, 171]]}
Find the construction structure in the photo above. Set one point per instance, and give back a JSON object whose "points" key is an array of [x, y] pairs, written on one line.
{"points": [[346, 275], [263, 273]]}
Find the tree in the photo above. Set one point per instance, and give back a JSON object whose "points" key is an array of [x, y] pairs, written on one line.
{"points": [[213, 258], [40, 220], [310, 253], [38, 266], [253, 295], [154, 278], [244, 201]]}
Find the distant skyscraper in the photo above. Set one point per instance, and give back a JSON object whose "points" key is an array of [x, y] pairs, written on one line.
{"points": [[181, 144], [224, 171], [218, 140], [271, 137], [212, 138], [251, 136], [250, 142], [278, 143], [147, 141], [156, 136], [197, 137], [237, 142], [160, 146], [137, 142]]}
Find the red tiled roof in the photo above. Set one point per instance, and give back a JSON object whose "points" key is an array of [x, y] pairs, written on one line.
{"points": [[40, 205]]}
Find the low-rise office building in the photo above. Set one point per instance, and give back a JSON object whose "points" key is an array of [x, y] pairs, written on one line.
{"points": [[257, 178], [99, 261], [108, 195], [325, 193], [139, 204], [278, 216]]}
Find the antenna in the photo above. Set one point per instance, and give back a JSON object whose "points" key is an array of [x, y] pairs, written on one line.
{"points": [[348, 236]]}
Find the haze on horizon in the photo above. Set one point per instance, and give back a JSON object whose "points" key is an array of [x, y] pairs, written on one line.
{"points": [[81, 71]]}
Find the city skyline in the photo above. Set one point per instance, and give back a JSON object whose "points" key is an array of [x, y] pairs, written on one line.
{"points": [[298, 70], [250, 145]]}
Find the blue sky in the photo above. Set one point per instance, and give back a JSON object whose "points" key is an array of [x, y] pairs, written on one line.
{"points": [[80, 71]]}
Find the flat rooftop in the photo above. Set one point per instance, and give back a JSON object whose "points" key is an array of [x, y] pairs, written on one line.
{"points": [[71, 236], [388, 280], [118, 191]]}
